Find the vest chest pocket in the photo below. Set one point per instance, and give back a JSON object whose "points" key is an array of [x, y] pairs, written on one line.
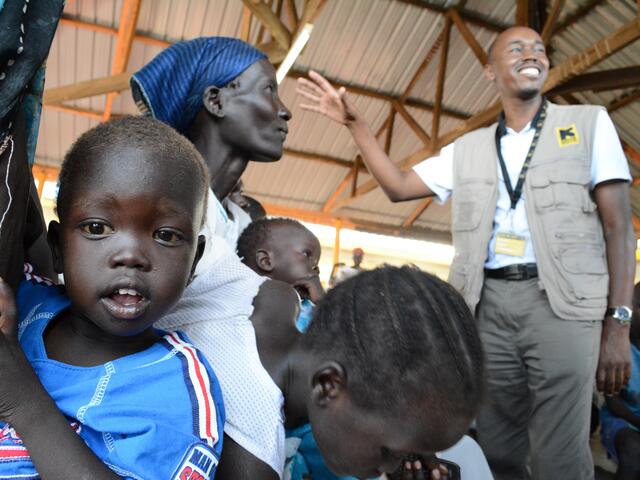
{"points": [[562, 185], [469, 202]]}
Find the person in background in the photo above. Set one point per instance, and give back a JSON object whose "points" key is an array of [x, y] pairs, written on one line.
{"points": [[540, 217], [620, 415], [341, 272]]}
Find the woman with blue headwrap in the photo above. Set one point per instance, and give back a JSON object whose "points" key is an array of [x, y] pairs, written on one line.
{"points": [[222, 94]]}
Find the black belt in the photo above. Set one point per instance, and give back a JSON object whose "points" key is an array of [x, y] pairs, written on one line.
{"points": [[521, 271]]}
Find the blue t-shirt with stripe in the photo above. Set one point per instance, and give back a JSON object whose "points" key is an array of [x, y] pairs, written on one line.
{"points": [[156, 414]]}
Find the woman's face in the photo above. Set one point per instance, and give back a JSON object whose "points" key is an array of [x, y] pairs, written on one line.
{"points": [[255, 119]]}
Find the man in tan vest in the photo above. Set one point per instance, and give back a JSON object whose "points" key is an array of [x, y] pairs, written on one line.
{"points": [[541, 224]]}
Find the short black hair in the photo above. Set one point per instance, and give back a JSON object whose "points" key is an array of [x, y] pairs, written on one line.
{"points": [[109, 137], [257, 234], [254, 208], [404, 337]]}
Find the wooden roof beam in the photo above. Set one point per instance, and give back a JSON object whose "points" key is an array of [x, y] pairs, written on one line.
{"points": [[598, 81], [271, 21], [424, 204], [442, 71], [469, 16], [575, 16], [551, 20], [324, 218], [276, 54], [411, 122], [126, 33], [245, 24], [623, 100], [574, 65], [468, 37]]}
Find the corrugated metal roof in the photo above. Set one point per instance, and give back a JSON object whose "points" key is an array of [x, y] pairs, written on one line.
{"points": [[374, 43]]}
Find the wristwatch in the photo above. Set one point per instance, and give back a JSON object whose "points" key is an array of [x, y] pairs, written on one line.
{"points": [[622, 315]]}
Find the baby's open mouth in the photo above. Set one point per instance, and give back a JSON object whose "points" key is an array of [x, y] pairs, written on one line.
{"points": [[126, 303]]}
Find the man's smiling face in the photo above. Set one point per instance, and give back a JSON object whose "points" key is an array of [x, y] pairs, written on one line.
{"points": [[518, 63]]}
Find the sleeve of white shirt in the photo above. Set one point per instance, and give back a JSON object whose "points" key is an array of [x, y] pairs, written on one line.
{"points": [[608, 161], [437, 173]]}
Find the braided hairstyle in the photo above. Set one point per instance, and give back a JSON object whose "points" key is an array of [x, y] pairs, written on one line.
{"points": [[406, 339], [257, 234], [107, 139]]}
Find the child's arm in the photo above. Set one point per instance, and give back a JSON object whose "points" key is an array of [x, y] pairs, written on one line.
{"points": [[236, 463], [617, 407], [334, 104], [55, 449]]}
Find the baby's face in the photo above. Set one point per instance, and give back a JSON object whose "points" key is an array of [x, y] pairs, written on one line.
{"points": [[296, 253], [128, 241]]}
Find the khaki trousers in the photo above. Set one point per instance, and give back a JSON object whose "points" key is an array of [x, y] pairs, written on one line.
{"points": [[540, 376]]}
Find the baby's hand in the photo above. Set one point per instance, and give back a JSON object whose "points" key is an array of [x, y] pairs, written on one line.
{"points": [[311, 288], [16, 375]]}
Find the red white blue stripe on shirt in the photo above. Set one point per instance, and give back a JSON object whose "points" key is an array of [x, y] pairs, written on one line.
{"points": [[205, 421]]}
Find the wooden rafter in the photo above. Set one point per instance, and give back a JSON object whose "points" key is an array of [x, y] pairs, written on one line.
{"points": [[576, 15], [424, 204], [292, 14], [442, 71], [631, 153], [552, 18], [124, 42], [271, 21], [325, 218], [614, 79], [344, 183], [574, 65], [623, 100], [522, 12], [469, 38], [411, 122], [468, 16], [275, 54], [245, 24], [312, 8], [88, 88], [422, 67]]}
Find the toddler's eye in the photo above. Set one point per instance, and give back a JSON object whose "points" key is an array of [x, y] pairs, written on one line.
{"points": [[168, 236], [96, 228]]}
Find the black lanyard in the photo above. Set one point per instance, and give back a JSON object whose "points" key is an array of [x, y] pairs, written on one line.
{"points": [[538, 121]]}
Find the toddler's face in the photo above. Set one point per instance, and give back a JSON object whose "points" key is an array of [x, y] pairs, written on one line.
{"points": [[128, 242], [296, 253]]}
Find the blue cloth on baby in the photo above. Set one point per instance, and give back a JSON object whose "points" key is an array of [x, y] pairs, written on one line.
{"points": [[303, 457], [170, 87], [305, 316]]}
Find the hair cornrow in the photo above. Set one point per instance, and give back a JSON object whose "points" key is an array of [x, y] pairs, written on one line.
{"points": [[402, 335]]}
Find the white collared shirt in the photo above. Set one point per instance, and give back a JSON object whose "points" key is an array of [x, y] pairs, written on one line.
{"points": [[608, 162]]}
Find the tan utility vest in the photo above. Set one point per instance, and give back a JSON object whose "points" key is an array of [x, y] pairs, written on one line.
{"points": [[563, 221]]}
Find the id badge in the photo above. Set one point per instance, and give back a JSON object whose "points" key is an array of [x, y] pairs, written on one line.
{"points": [[510, 244]]}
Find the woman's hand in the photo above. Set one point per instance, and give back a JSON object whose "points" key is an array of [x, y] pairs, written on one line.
{"points": [[326, 100]]}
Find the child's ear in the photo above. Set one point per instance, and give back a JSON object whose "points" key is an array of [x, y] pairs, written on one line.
{"points": [[328, 383], [202, 241], [53, 239], [264, 261], [212, 101]]}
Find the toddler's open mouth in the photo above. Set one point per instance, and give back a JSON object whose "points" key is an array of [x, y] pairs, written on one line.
{"points": [[125, 303]]}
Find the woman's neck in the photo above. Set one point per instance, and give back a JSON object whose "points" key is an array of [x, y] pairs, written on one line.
{"points": [[226, 164]]}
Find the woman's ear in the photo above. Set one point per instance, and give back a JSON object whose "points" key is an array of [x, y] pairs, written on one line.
{"points": [[328, 384], [212, 101], [53, 238]]}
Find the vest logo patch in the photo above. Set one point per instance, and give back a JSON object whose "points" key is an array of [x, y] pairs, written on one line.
{"points": [[199, 463], [567, 135]]}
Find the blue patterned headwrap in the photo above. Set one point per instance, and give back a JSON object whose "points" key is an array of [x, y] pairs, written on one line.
{"points": [[170, 87]]}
